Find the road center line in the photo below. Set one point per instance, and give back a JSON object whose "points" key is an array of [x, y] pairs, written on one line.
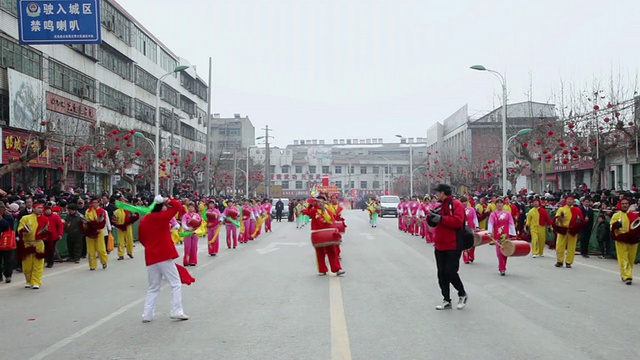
{"points": [[340, 348]]}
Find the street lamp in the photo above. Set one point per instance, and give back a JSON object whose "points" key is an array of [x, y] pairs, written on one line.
{"points": [[140, 135], [520, 133], [157, 143], [410, 165], [503, 81]]}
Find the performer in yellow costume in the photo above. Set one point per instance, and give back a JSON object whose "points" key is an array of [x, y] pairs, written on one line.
{"points": [[537, 221], [33, 230], [568, 223], [626, 240], [124, 220]]}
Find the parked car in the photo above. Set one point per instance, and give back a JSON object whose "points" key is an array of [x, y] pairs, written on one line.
{"points": [[285, 211], [389, 205]]}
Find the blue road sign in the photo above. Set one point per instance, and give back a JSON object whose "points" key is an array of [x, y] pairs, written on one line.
{"points": [[59, 21]]}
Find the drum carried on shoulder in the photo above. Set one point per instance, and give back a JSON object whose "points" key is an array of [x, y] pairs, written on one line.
{"points": [[325, 237], [515, 248], [481, 237]]}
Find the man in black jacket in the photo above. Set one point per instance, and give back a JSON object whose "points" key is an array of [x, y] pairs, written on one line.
{"points": [[585, 234], [279, 209]]}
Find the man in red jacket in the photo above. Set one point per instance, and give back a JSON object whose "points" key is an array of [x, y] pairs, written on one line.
{"points": [[159, 252], [450, 219], [56, 230]]}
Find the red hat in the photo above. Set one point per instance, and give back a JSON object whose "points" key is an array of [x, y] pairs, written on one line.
{"points": [[38, 204], [55, 208], [570, 197]]}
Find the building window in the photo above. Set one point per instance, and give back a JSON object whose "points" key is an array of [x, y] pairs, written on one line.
{"points": [[272, 169], [194, 86], [353, 185], [145, 112], [376, 185], [285, 169], [114, 61], [325, 169], [386, 170], [298, 169], [312, 169], [363, 169], [338, 184], [85, 49], [4, 108], [115, 100], [145, 80], [146, 46], [285, 185], [422, 153], [9, 5], [188, 131], [165, 120], [352, 169], [65, 78], [168, 94], [167, 62], [115, 21], [187, 105], [21, 58], [399, 170], [376, 170], [298, 185], [338, 170], [363, 184]]}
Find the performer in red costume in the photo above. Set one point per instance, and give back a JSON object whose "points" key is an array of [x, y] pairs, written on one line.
{"points": [[335, 209], [159, 252], [321, 218], [266, 206], [213, 228]]}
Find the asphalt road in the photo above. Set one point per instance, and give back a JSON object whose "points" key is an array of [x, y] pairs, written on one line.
{"points": [[264, 300]]}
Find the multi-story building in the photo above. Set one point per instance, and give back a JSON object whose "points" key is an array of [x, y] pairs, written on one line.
{"points": [[105, 86], [359, 167], [230, 134]]}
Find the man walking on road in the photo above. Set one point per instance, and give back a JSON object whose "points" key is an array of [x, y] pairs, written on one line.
{"points": [[279, 209], [450, 218]]}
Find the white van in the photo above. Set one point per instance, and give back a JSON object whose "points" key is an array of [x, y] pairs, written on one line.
{"points": [[389, 205]]}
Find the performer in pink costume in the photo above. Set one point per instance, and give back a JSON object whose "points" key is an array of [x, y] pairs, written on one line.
{"points": [[255, 212], [472, 221], [501, 223], [266, 207], [414, 207], [401, 207], [191, 241], [213, 223], [231, 213], [246, 220], [433, 204], [422, 217]]}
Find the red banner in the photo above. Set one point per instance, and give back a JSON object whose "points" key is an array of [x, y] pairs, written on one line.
{"points": [[15, 143]]}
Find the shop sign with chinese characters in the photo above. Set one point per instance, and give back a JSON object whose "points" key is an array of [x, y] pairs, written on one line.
{"points": [[15, 143], [59, 22]]}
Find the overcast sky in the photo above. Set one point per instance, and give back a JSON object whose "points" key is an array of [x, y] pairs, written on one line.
{"points": [[372, 69]]}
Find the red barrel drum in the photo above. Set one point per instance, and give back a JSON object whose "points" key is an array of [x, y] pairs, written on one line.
{"points": [[341, 226], [481, 237], [325, 237], [515, 248]]}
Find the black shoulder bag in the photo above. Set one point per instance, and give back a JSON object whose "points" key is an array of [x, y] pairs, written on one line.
{"points": [[464, 235]]}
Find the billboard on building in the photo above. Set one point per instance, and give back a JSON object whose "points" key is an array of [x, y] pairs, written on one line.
{"points": [[59, 22], [319, 152], [27, 101]]}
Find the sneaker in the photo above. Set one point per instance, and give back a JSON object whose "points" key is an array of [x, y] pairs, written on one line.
{"points": [[92, 269], [466, 262], [446, 305], [535, 256], [541, 255], [340, 272], [120, 257], [628, 281], [7, 280], [558, 264], [322, 274], [104, 266], [502, 273], [27, 286], [130, 256], [35, 287], [568, 266], [180, 317], [144, 321], [462, 302]]}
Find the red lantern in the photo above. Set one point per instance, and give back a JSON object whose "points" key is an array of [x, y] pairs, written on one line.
{"points": [[630, 123], [609, 105], [596, 107], [115, 132], [572, 134], [173, 153], [525, 144], [117, 138], [138, 153], [43, 123], [489, 173], [129, 144], [517, 162], [606, 119], [601, 128], [78, 154], [117, 147], [150, 160], [126, 137], [571, 126], [204, 158], [576, 148], [617, 114], [100, 155], [80, 167], [132, 131], [539, 158], [565, 161], [565, 151], [545, 151], [60, 168], [538, 142], [575, 155], [550, 132]]}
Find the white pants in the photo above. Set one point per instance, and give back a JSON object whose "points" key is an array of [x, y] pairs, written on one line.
{"points": [[156, 272]]}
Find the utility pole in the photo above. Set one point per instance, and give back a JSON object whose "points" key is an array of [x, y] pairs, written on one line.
{"points": [[207, 121], [235, 170], [173, 128], [267, 179]]}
